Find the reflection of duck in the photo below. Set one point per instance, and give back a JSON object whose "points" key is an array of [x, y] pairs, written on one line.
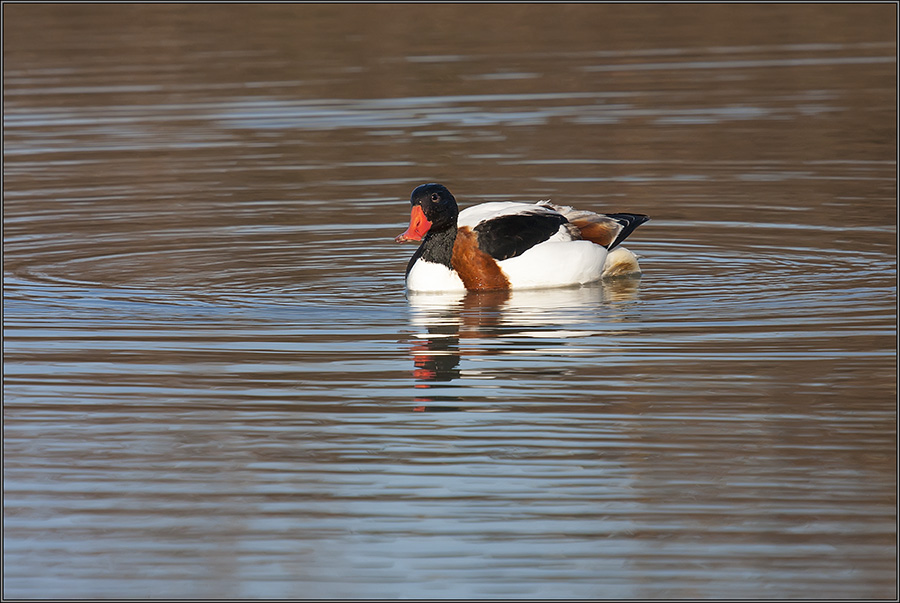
{"points": [[451, 326], [507, 245]]}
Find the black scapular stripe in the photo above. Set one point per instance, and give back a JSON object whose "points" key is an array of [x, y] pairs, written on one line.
{"points": [[506, 237]]}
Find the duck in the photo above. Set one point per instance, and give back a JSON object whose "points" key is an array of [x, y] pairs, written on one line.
{"points": [[508, 245]]}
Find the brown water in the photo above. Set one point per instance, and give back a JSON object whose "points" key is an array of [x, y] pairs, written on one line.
{"points": [[215, 385]]}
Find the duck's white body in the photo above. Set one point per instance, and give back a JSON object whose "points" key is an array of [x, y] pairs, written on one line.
{"points": [[537, 268]]}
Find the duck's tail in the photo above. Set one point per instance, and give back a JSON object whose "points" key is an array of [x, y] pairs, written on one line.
{"points": [[607, 230]]}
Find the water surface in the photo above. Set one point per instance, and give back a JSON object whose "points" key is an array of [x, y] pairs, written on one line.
{"points": [[216, 387]]}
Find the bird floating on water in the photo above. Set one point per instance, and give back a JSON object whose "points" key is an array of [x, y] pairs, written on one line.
{"points": [[512, 245]]}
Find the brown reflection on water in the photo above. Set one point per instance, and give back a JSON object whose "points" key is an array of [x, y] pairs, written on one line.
{"points": [[214, 382], [456, 325]]}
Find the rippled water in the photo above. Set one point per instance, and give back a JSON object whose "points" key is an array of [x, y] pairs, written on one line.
{"points": [[215, 385]]}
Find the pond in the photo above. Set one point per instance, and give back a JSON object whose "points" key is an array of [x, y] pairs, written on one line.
{"points": [[216, 386]]}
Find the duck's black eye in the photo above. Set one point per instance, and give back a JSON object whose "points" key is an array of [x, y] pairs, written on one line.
{"points": [[435, 197]]}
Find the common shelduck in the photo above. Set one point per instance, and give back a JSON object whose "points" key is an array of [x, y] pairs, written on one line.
{"points": [[510, 245]]}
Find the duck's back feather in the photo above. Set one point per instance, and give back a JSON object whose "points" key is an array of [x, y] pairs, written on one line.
{"points": [[512, 235]]}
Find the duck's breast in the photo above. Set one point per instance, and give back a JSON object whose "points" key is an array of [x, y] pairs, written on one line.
{"points": [[432, 277]]}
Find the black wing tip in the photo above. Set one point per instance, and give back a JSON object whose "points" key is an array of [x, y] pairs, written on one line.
{"points": [[624, 219], [629, 223]]}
